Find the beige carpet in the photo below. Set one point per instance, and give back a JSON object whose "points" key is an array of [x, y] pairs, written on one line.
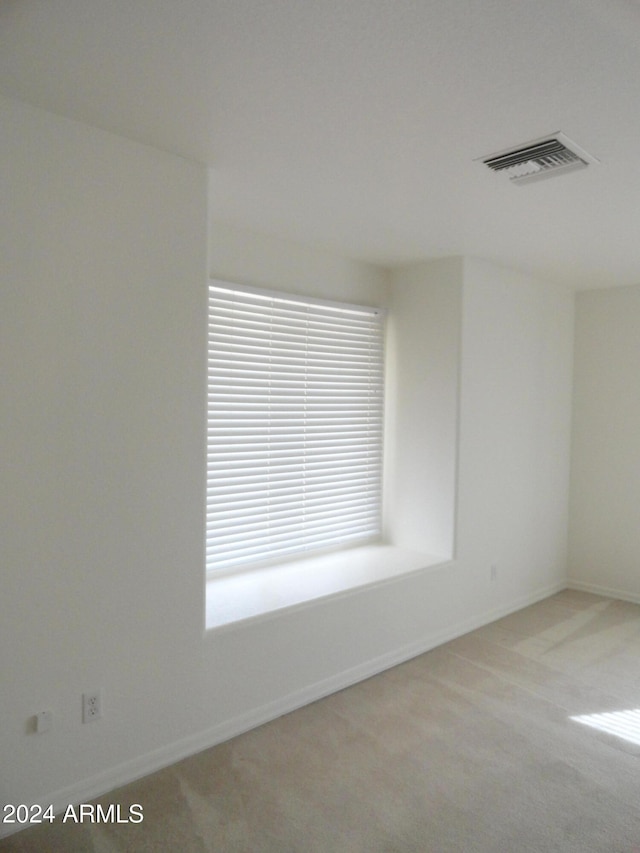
{"points": [[468, 748]]}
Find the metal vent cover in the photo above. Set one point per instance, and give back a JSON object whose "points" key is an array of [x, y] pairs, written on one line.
{"points": [[543, 158]]}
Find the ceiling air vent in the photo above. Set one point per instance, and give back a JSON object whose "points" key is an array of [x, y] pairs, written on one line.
{"points": [[542, 158]]}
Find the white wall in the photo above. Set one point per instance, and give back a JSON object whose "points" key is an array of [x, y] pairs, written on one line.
{"points": [[103, 254], [424, 339], [514, 431], [248, 258], [103, 270], [605, 494]]}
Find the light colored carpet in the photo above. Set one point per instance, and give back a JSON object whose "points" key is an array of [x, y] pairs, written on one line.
{"points": [[468, 748]]}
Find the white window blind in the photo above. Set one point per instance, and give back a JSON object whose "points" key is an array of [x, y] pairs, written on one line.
{"points": [[295, 408]]}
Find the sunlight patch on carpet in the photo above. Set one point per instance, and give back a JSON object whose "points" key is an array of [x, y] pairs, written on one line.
{"points": [[622, 724]]}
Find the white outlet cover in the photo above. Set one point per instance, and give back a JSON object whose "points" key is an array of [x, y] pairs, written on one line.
{"points": [[91, 706], [44, 721]]}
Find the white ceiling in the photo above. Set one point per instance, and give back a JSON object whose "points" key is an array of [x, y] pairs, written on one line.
{"points": [[354, 124]]}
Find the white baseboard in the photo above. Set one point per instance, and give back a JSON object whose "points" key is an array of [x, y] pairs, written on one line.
{"points": [[607, 592], [95, 786]]}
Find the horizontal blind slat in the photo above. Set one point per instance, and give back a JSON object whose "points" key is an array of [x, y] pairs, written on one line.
{"points": [[286, 537], [288, 502], [233, 516], [221, 538], [271, 491], [291, 546]]}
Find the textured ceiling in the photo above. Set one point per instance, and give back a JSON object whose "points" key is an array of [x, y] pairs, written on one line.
{"points": [[354, 125]]}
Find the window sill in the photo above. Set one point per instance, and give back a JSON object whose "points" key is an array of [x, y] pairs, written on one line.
{"points": [[262, 593]]}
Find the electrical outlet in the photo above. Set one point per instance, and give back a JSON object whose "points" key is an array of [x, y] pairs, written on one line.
{"points": [[91, 706], [44, 720]]}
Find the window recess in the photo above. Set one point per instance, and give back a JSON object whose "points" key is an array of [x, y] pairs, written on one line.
{"points": [[295, 426]]}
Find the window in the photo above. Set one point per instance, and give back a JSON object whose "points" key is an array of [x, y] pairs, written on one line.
{"points": [[295, 411]]}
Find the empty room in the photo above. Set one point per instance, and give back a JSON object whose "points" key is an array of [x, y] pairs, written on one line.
{"points": [[319, 357]]}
